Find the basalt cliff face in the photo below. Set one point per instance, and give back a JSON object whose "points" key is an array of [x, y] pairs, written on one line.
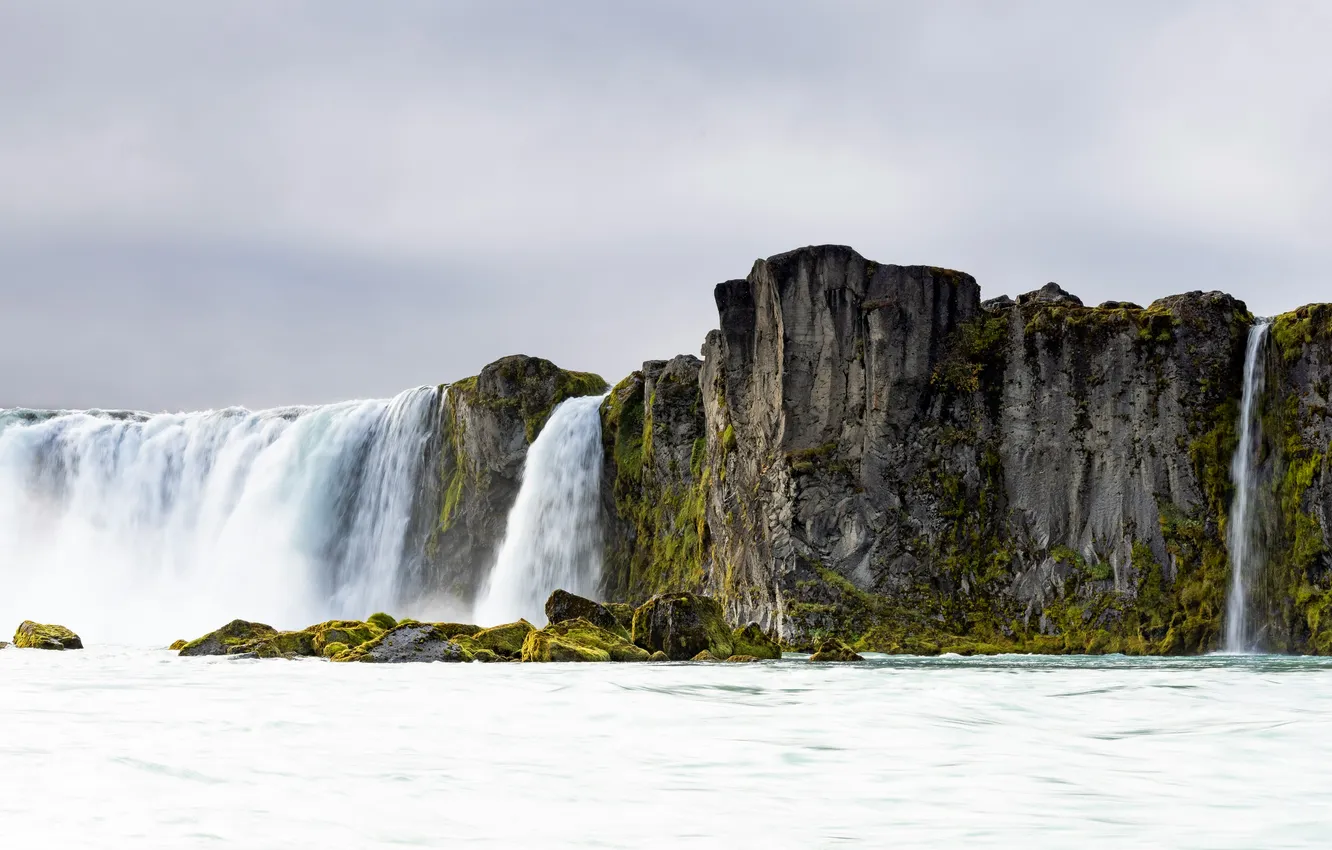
{"points": [[871, 452]]}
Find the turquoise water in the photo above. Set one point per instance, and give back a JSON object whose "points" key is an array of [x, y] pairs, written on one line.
{"points": [[117, 747]]}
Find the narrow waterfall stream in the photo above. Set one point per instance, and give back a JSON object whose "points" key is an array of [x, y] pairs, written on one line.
{"points": [[553, 538], [1242, 536]]}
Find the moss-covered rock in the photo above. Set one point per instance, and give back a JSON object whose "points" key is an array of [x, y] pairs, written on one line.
{"points": [[563, 605], [659, 656], [705, 656], [506, 640], [682, 625], [623, 613], [224, 640], [579, 640], [752, 640], [32, 635], [833, 649], [409, 642], [178, 645], [382, 621], [452, 629], [353, 633], [332, 650], [742, 659]]}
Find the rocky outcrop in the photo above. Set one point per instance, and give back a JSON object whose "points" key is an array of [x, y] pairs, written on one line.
{"points": [[486, 425], [30, 635], [228, 638], [751, 640], [833, 649], [871, 452]]}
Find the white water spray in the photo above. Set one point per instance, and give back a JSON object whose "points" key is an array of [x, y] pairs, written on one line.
{"points": [[1243, 533], [141, 528], [553, 539]]}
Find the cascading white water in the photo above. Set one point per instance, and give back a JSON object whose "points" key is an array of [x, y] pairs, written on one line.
{"points": [[553, 538], [1242, 535], [134, 528]]}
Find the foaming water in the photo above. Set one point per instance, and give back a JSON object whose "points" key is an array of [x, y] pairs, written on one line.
{"points": [[553, 537], [131, 526], [111, 747], [1243, 532]]}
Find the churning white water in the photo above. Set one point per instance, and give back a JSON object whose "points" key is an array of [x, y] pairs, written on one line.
{"points": [[1243, 537], [135, 527], [135, 748], [553, 539]]}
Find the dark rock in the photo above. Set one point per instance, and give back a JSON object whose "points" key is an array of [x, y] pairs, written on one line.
{"points": [[1119, 305], [413, 642], [1051, 293], [563, 605], [682, 625], [623, 613], [1003, 302], [227, 638]]}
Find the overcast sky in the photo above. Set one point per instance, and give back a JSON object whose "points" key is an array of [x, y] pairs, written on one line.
{"points": [[257, 203]]}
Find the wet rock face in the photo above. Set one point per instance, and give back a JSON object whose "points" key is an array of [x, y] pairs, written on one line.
{"points": [[486, 424], [32, 635]]}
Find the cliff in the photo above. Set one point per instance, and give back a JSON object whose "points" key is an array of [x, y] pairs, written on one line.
{"points": [[871, 452]]}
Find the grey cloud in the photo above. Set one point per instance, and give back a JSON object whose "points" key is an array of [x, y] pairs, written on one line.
{"points": [[266, 202]]}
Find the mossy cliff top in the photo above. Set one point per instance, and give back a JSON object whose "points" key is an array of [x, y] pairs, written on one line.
{"points": [[531, 387]]}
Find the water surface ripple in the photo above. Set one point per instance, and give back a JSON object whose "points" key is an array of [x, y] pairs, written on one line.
{"points": [[111, 747]]}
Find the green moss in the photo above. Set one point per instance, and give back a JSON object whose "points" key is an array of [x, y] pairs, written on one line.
{"points": [[332, 650], [506, 641], [382, 621], [752, 640], [30, 635], [1293, 331], [975, 346], [578, 640]]}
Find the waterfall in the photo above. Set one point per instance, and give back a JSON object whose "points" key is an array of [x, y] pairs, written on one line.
{"points": [[1242, 533], [131, 527], [553, 538]]}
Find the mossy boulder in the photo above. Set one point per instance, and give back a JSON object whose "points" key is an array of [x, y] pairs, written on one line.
{"points": [[224, 640], [333, 650], [579, 640], [659, 656], [563, 605], [705, 656], [752, 640], [450, 629], [178, 645], [742, 659], [353, 633], [32, 635], [682, 625], [623, 613], [382, 621], [408, 642], [506, 640], [833, 649], [280, 645]]}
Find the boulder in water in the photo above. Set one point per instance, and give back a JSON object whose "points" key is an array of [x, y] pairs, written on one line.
{"points": [[506, 641], [682, 625], [227, 638], [563, 605], [833, 649], [579, 640], [659, 656], [32, 635], [410, 642], [752, 640], [381, 620], [353, 633], [742, 659], [705, 656], [178, 644], [451, 629]]}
